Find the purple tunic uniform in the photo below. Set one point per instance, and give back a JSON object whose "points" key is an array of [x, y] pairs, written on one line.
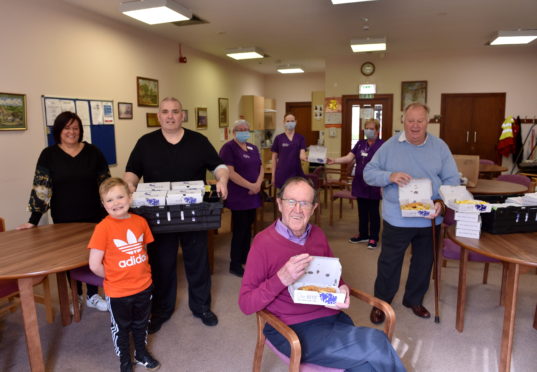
{"points": [[363, 154], [288, 157], [247, 164]]}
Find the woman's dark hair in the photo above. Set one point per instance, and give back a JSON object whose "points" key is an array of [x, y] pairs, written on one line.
{"points": [[61, 121]]}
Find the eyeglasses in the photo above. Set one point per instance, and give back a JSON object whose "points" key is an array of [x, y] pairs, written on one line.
{"points": [[303, 204]]}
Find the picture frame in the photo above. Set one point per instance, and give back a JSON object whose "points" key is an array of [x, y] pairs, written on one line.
{"points": [[413, 91], [223, 112], [151, 119], [147, 92], [201, 118], [13, 111], [124, 110], [185, 116]]}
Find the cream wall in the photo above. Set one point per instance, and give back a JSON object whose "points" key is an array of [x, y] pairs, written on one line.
{"points": [[489, 70], [54, 49]]}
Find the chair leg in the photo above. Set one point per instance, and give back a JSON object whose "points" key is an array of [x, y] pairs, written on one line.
{"points": [[502, 288], [535, 318], [76, 306], [260, 345], [47, 300], [340, 208], [486, 273], [331, 211], [444, 263]]}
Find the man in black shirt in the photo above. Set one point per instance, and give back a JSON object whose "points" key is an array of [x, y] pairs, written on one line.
{"points": [[174, 153]]}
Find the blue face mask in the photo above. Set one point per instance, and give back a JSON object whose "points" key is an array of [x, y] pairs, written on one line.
{"points": [[242, 136], [369, 133], [290, 125]]}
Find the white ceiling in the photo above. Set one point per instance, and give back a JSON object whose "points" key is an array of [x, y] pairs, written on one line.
{"points": [[306, 32]]}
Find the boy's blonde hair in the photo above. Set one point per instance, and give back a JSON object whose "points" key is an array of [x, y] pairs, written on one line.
{"points": [[108, 183]]}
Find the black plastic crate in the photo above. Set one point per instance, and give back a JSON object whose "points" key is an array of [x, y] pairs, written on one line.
{"points": [[181, 218], [510, 220]]}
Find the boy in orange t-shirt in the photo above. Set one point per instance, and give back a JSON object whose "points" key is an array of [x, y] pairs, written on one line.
{"points": [[118, 253]]}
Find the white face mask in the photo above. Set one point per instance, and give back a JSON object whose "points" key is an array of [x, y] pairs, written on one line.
{"points": [[290, 125]]}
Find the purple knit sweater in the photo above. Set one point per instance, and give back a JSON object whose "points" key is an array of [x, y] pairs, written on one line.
{"points": [[261, 288]]}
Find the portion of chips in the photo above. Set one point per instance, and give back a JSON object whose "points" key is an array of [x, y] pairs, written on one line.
{"points": [[417, 206], [314, 288]]}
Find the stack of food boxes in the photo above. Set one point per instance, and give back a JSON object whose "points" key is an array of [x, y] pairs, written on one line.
{"points": [[159, 194], [467, 210], [415, 198], [320, 284]]}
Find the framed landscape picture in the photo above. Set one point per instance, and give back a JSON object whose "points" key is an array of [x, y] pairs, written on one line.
{"points": [[147, 92], [152, 119], [223, 108], [124, 110], [185, 116], [201, 118], [12, 111], [413, 91]]}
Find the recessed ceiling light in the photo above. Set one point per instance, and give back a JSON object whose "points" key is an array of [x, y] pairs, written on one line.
{"points": [[290, 69], [155, 11], [245, 53], [336, 2], [368, 45], [514, 37]]}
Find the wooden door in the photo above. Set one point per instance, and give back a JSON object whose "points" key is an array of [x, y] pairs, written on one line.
{"points": [[386, 104], [471, 123], [302, 113]]}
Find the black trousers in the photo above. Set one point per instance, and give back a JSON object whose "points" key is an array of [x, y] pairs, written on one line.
{"points": [[130, 314], [369, 218], [395, 241], [163, 261], [242, 236]]}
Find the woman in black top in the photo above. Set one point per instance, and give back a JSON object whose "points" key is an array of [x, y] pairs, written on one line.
{"points": [[67, 179]]}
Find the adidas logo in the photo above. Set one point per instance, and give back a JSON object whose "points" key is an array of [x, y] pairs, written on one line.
{"points": [[132, 246], [133, 261]]}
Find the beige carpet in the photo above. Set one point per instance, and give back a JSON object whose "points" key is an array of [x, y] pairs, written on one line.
{"points": [[185, 344]]}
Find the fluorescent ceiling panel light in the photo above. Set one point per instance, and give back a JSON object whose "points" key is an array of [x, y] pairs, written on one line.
{"points": [[245, 53], [514, 37], [155, 11], [337, 2], [368, 45], [290, 70]]}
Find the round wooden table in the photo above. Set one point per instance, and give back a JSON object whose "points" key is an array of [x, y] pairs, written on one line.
{"points": [[513, 250], [28, 256], [495, 187]]}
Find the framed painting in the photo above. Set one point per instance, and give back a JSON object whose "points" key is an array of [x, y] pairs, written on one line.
{"points": [[185, 116], [151, 119], [147, 92], [223, 108], [413, 91], [201, 118], [124, 110], [12, 111]]}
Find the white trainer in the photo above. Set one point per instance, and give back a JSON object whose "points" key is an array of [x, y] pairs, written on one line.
{"points": [[97, 302]]}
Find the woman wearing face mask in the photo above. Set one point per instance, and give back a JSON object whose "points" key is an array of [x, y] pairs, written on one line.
{"points": [[368, 196], [288, 149], [245, 178]]}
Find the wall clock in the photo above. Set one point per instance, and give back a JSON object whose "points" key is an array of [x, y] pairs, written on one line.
{"points": [[367, 69]]}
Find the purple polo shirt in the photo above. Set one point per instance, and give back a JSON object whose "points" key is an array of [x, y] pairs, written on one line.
{"points": [[247, 164], [288, 157], [363, 154]]}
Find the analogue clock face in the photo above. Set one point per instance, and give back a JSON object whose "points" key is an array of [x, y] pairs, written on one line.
{"points": [[367, 68]]}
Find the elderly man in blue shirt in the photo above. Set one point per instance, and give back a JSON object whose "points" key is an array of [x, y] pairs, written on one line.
{"points": [[412, 154]]}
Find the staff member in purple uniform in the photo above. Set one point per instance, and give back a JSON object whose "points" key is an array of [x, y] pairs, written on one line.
{"points": [[368, 196], [246, 175], [288, 149]]}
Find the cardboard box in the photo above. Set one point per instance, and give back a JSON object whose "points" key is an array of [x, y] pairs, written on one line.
{"points": [[179, 197], [317, 154], [461, 200], [467, 233], [468, 165], [322, 272], [467, 225], [153, 186], [465, 216], [415, 198], [182, 185], [149, 199]]}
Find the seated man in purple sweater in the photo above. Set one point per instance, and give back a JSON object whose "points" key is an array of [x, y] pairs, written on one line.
{"points": [[278, 257]]}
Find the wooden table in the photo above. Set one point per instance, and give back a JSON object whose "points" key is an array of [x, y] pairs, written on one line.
{"points": [[28, 256], [513, 250], [490, 170], [495, 187]]}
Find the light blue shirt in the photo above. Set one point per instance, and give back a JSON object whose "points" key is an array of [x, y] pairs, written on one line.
{"points": [[288, 234], [432, 159]]}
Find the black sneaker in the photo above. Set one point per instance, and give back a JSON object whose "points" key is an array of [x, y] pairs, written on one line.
{"points": [[358, 239], [208, 318], [125, 366], [150, 363], [154, 325], [372, 244]]}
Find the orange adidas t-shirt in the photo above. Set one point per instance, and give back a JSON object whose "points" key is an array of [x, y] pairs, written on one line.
{"points": [[126, 264]]}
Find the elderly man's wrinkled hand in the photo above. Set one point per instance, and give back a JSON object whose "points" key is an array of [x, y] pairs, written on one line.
{"points": [[294, 268], [437, 211], [221, 188], [342, 305]]}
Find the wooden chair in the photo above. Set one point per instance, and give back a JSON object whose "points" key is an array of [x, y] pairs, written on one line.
{"points": [[84, 275], [265, 316], [341, 191], [9, 290]]}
